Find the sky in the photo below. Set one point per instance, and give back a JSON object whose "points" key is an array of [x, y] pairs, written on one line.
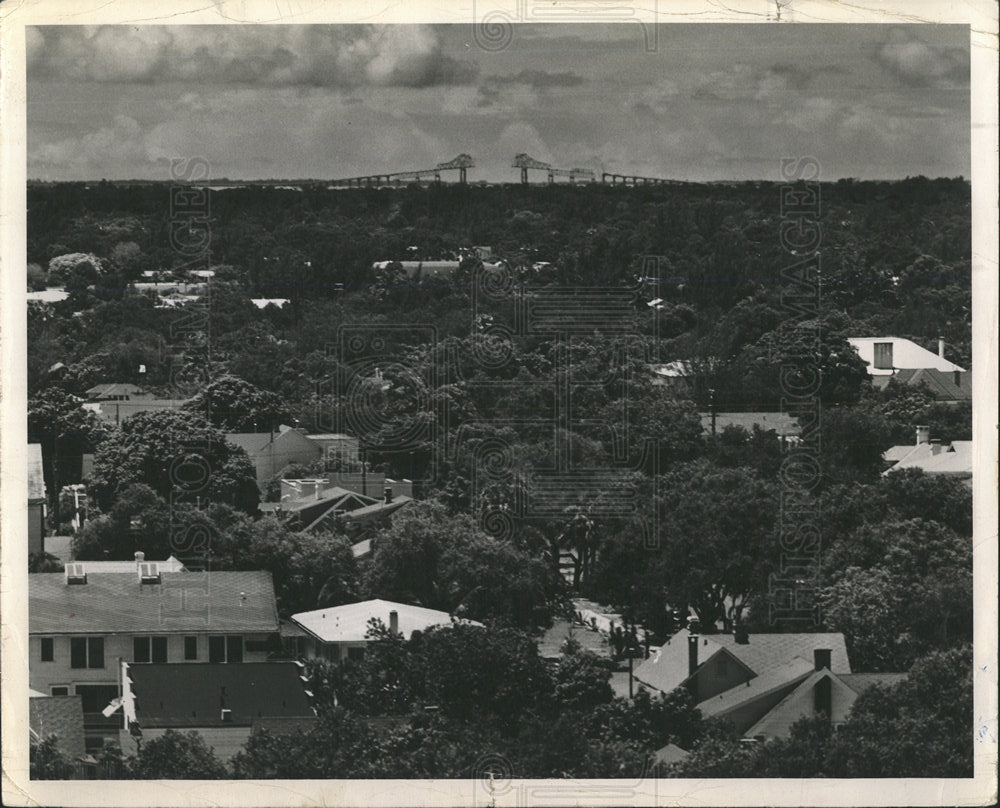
{"points": [[708, 102]]}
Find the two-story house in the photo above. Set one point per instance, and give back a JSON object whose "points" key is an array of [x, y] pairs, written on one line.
{"points": [[82, 624]]}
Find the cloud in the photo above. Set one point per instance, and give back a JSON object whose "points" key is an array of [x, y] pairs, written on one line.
{"points": [[541, 79], [320, 56], [919, 64]]}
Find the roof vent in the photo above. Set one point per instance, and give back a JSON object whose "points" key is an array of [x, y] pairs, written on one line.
{"points": [[148, 573], [75, 574], [226, 715]]}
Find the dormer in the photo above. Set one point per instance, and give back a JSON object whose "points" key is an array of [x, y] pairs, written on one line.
{"points": [[148, 573], [75, 574]]}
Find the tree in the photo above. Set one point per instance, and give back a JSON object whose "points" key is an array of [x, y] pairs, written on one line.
{"points": [[177, 454], [718, 538], [178, 756], [65, 431], [582, 681], [234, 405], [919, 727], [47, 762]]}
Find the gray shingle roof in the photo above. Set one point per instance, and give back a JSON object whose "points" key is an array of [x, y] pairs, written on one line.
{"points": [[111, 603], [61, 716], [763, 654]]}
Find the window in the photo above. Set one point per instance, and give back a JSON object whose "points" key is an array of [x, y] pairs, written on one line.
{"points": [[60, 690], [217, 649], [48, 649], [225, 648], [190, 648], [140, 649], [883, 355], [149, 649], [234, 648], [356, 653], [255, 646], [86, 652]]}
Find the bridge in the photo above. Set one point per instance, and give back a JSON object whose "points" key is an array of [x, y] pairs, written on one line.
{"points": [[525, 162], [461, 164]]}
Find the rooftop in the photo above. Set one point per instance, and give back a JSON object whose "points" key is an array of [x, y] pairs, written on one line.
{"points": [[350, 623], [782, 423], [111, 603], [954, 459], [940, 383], [61, 716], [172, 564], [763, 654], [174, 695], [906, 354]]}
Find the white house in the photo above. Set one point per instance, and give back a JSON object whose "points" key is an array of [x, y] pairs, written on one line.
{"points": [[885, 355], [341, 632]]}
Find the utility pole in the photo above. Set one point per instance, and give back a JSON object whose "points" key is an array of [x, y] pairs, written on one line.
{"points": [[711, 407]]}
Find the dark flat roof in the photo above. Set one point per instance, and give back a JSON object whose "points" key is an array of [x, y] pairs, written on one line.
{"points": [[193, 695]]}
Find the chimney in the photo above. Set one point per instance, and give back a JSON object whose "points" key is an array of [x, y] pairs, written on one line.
{"points": [[936, 446], [957, 375], [388, 494], [821, 658], [941, 347], [823, 697], [692, 654], [741, 635], [394, 621], [923, 434], [139, 558]]}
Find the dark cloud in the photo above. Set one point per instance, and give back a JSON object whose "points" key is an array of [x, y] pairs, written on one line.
{"points": [[340, 57], [917, 63]]}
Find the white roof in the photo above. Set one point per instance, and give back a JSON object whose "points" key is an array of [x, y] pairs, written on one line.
{"points": [[172, 564], [264, 302], [906, 354], [48, 296], [350, 623], [954, 459]]}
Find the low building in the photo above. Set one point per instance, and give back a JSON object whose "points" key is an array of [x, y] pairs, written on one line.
{"points": [[336, 449], [887, 355], [352, 512], [225, 704], [61, 716], [708, 665], [785, 426], [81, 623], [116, 401], [932, 457], [950, 388], [37, 497], [271, 452], [341, 632]]}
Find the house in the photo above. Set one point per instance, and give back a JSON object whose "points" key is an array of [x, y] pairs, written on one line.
{"points": [[225, 704], [708, 665], [932, 457], [341, 632], [47, 296], [271, 452], [422, 270], [36, 499], [336, 449], [885, 355], [61, 716], [80, 623], [821, 692], [264, 302], [115, 391], [950, 388], [785, 426], [355, 513], [116, 401]]}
